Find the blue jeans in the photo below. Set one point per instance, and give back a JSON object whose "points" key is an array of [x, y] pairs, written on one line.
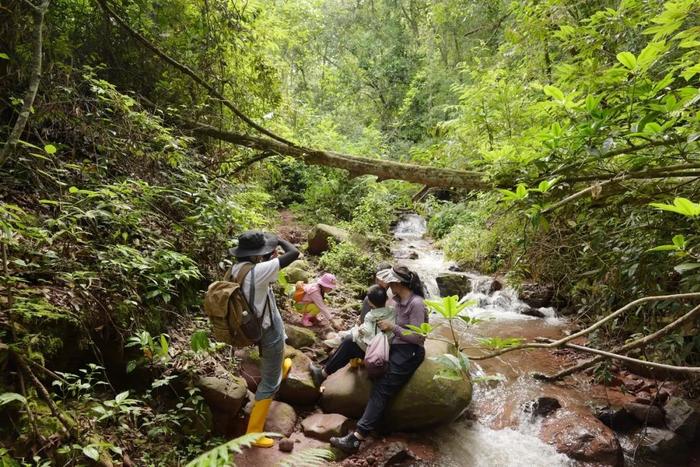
{"points": [[404, 360], [271, 358]]}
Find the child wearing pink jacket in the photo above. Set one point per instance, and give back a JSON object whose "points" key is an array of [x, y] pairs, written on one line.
{"points": [[309, 298]]}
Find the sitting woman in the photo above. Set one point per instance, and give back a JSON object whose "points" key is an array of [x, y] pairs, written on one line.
{"points": [[405, 355], [309, 299]]}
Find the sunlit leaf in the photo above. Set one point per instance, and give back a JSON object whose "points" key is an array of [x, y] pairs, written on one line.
{"points": [[627, 59]]}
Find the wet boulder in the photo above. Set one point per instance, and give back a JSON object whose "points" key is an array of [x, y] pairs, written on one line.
{"points": [[281, 418], [453, 284], [682, 417], [298, 336], [496, 285], [532, 312], [325, 425], [298, 388], [582, 437], [542, 406], [664, 446], [319, 235], [225, 397], [421, 403], [536, 295], [650, 415], [616, 418]]}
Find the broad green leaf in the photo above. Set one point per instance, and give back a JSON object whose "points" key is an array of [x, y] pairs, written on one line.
{"points": [[650, 53], [8, 397], [554, 92], [681, 206], [121, 397], [685, 267], [4, 56], [652, 128], [50, 149], [628, 60], [199, 341], [91, 453], [679, 241]]}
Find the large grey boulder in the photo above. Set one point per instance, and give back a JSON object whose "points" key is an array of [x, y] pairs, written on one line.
{"points": [[319, 235], [682, 417], [421, 403], [225, 397], [453, 284], [298, 388]]}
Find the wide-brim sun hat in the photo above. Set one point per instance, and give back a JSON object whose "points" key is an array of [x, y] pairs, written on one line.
{"points": [[254, 243], [328, 281], [388, 276]]}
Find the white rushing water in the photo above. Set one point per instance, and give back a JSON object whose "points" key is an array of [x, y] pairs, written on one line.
{"points": [[467, 442]]}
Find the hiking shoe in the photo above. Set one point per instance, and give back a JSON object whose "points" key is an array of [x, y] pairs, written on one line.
{"points": [[348, 443], [316, 375]]}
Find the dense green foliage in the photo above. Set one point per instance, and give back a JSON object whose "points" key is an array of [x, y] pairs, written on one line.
{"points": [[114, 217]]}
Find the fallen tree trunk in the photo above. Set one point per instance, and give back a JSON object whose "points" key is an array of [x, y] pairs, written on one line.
{"points": [[356, 165]]}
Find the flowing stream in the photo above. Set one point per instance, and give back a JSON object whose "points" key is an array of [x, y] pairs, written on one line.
{"points": [[498, 432]]}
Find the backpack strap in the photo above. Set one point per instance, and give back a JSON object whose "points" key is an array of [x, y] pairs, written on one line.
{"points": [[245, 269]]}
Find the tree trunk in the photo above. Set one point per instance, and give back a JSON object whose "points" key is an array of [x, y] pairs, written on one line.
{"points": [[356, 165], [35, 77]]}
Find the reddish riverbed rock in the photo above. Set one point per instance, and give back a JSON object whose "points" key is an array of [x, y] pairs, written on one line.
{"points": [[582, 437], [323, 426]]}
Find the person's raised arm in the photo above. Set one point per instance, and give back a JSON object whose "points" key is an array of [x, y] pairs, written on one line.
{"points": [[290, 255]]}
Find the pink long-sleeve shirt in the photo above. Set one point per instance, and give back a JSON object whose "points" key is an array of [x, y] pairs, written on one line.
{"points": [[312, 294]]}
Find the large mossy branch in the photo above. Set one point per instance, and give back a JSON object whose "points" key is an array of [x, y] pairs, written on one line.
{"points": [[356, 165]]}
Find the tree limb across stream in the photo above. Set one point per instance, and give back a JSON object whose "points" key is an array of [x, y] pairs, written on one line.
{"points": [[356, 165]]}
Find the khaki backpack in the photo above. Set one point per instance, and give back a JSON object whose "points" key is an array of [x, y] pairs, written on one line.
{"points": [[233, 320]]}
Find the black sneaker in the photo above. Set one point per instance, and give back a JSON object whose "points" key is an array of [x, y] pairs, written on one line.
{"points": [[316, 375], [348, 443]]}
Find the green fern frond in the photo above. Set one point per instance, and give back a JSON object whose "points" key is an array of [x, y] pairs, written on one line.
{"points": [[220, 455], [308, 458]]}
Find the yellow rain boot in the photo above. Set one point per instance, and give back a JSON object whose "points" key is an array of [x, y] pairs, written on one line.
{"points": [[256, 423], [286, 366], [355, 362]]}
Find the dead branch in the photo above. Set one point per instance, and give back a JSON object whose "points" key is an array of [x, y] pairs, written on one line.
{"points": [[625, 358], [625, 348], [34, 78]]}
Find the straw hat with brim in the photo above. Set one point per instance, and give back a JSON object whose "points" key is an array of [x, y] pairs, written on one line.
{"points": [[388, 276], [254, 243]]}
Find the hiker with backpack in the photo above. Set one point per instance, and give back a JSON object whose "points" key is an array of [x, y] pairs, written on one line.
{"points": [[257, 253], [406, 353]]}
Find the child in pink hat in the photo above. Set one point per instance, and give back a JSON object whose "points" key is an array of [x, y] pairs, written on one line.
{"points": [[309, 298]]}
